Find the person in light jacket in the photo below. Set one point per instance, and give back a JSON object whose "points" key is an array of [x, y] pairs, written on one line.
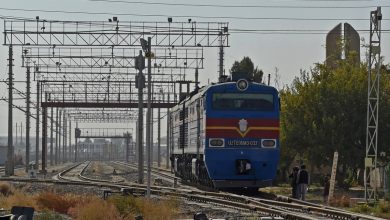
{"points": [[303, 182]]}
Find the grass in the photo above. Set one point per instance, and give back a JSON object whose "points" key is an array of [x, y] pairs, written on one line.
{"points": [[51, 205], [11, 196], [129, 207], [314, 194], [381, 209], [151, 209], [56, 202], [97, 168], [282, 189], [48, 215], [341, 199], [96, 209]]}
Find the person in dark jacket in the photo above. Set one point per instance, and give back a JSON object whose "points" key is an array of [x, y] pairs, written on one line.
{"points": [[326, 188], [303, 182], [293, 176]]}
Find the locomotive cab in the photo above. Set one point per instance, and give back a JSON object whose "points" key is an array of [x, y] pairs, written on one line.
{"points": [[244, 116], [228, 135]]}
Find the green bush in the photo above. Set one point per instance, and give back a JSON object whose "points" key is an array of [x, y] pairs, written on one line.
{"points": [[362, 208], [387, 197], [349, 180], [383, 207]]}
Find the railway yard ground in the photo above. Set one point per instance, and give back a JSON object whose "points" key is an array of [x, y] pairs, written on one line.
{"points": [[77, 191]]}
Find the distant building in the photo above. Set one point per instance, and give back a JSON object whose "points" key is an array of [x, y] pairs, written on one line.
{"points": [[338, 45], [352, 43], [333, 46]]}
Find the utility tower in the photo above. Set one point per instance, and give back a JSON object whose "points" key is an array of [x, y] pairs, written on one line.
{"points": [[371, 174]]}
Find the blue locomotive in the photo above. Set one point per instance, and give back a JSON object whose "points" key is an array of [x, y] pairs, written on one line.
{"points": [[226, 135]]}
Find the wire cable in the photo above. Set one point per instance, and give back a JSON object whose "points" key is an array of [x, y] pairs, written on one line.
{"points": [[250, 31], [186, 16], [232, 6]]}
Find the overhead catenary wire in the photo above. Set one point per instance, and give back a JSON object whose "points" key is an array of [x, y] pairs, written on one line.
{"points": [[233, 6], [178, 16], [292, 31], [231, 30]]}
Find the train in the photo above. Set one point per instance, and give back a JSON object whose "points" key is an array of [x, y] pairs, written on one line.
{"points": [[226, 135]]}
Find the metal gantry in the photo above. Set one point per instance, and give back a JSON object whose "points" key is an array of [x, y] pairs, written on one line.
{"points": [[102, 133], [112, 57], [371, 173], [103, 116], [87, 68], [108, 94]]}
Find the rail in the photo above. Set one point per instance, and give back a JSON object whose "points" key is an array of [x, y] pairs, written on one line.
{"points": [[283, 207]]}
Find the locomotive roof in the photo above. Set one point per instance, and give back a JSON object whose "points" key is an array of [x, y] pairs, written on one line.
{"points": [[195, 95]]}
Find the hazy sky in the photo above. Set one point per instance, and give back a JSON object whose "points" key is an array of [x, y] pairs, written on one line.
{"points": [[289, 34]]}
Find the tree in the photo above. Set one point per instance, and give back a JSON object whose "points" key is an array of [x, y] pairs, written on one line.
{"points": [[258, 75], [386, 68], [325, 110], [246, 66]]}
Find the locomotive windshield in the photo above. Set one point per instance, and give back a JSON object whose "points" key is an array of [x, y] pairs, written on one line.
{"points": [[243, 102]]}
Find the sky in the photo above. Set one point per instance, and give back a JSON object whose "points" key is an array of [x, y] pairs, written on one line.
{"points": [[280, 36]]}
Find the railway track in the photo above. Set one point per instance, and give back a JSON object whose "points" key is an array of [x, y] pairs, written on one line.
{"points": [[75, 173], [292, 206], [284, 207], [248, 206], [156, 172]]}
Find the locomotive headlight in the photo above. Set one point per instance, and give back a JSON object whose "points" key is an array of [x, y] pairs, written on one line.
{"points": [[268, 143], [242, 84], [216, 142]]}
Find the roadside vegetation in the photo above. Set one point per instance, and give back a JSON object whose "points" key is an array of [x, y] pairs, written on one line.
{"points": [[342, 199], [325, 110], [382, 209], [51, 205]]}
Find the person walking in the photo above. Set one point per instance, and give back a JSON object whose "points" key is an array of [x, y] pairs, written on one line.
{"points": [[293, 176], [303, 182]]}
